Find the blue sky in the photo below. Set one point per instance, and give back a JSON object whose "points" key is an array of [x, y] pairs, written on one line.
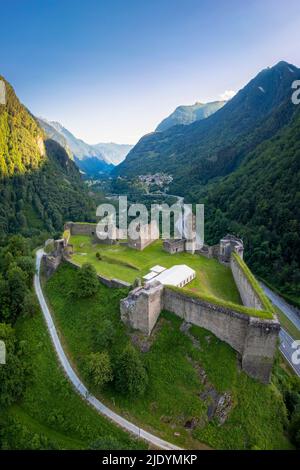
{"points": [[111, 70]]}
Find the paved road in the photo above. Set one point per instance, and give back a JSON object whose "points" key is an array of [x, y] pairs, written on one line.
{"points": [[287, 350], [79, 386], [286, 340], [287, 309]]}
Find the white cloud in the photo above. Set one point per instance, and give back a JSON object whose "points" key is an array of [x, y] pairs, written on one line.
{"points": [[227, 95]]}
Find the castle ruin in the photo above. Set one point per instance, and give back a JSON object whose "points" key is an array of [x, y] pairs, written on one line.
{"points": [[254, 338]]}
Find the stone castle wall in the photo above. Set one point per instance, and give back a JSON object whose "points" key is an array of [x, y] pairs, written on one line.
{"points": [[249, 296], [260, 348], [77, 228], [148, 234], [51, 263], [253, 338], [226, 324]]}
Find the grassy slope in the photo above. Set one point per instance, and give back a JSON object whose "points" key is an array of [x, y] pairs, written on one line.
{"points": [[212, 278], [51, 407], [173, 394]]}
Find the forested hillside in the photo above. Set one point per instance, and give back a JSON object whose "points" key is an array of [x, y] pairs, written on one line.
{"points": [[40, 186], [261, 202]]}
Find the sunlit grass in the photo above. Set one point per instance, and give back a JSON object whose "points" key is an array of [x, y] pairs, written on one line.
{"points": [[212, 278]]}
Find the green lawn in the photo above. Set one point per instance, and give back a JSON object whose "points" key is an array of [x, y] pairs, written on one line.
{"points": [[212, 278], [173, 360], [51, 408]]}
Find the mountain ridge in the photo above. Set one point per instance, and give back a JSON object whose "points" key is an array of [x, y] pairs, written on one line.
{"points": [[186, 114], [91, 159], [213, 147]]}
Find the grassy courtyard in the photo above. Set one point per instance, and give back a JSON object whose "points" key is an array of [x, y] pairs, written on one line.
{"points": [[173, 360], [119, 261]]}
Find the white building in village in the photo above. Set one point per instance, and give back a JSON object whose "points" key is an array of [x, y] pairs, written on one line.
{"points": [[178, 275]]}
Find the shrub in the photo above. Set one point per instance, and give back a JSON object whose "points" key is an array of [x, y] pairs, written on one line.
{"points": [[98, 368], [87, 281], [17, 287], [27, 264], [131, 375], [30, 305], [15, 374]]}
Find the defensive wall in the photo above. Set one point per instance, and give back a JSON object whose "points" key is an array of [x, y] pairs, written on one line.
{"points": [[251, 329]]}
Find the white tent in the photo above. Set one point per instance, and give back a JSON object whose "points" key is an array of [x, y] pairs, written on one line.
{"points": [[178, 276], [157, 269], [149, 276]]}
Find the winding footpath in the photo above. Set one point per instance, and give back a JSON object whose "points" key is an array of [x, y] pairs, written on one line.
{"points": [[75, 380]]}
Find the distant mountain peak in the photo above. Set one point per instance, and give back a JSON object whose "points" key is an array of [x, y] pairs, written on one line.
{"points": [[91, 159], [284, 64], [187, 114]]}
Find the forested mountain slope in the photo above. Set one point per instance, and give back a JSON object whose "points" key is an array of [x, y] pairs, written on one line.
{"points": [[40, 187], [260, 202]]}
